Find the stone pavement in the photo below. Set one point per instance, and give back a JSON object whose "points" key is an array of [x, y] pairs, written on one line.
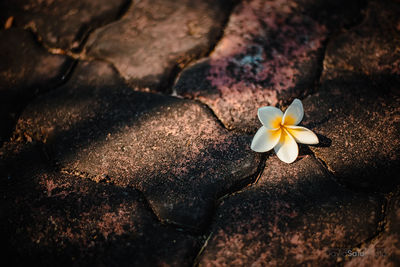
{"points": [[126, 131]]}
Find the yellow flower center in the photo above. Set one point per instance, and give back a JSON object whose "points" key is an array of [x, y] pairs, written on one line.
{"points": [[289, 120]]}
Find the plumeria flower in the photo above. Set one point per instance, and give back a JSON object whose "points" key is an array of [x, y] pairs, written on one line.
{"points": [[280, 131]]}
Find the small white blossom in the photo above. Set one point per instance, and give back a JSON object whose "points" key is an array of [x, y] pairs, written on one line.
{"points": [[280, 131]]}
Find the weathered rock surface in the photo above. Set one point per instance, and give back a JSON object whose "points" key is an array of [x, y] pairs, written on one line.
{"points": [[295, 215], [157, 37], [360, 119], [52, 218], [61, 23], [270, 53], [26, 69], [385, 249], [371, 49], [173, 150]]}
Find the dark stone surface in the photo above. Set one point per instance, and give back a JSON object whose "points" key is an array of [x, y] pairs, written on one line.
{"points": [[57, 219], [295, 215], [61, 23], [26, 69], [372, 48], [384, 250], [358, 121], [157, 37], [270, 53], [99, 174], [173, 150]]}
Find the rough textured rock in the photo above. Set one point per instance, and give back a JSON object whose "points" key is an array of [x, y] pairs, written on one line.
{"points": [[26, 69], [61, 23], [359, 123], [58, 219], [372, 48], [270, 53], [157, 37], [173, 150], [295, 215], [385, 249]]}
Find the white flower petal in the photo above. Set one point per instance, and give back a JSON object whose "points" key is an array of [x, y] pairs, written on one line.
{"points": [[270, 117], [265, 139], [302, 135], [286, 149], [294, 113]]}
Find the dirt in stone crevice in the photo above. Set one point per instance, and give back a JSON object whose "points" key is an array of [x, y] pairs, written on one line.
{"points": [[86, 29]]}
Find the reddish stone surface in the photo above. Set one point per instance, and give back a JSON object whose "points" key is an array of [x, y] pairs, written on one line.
{"points": [[57, 219], [173, 150], [157, 37], [26, 69], [358, 120], [385, 249], [269, 54], [371, 49], [295, 215], [61, 23]]}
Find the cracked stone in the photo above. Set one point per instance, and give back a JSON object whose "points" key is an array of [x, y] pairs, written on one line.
{"points": [[372, 48], [385, 249], [358, 122], [61, 23], [295, 215], [173, 150], [59, 219], [26, 69], [270, 53], [157, 37]]}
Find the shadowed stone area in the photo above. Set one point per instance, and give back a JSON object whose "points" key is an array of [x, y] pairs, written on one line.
{"points": [[385, 249], [270, 53], [372, 48], [157, 37], [173, 150], [359, 126], [358, 105], [26, 69], [61, 23], [52, 218], [295, 215]]}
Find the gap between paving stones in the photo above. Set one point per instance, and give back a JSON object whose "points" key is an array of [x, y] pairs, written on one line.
{"points": [[86, 30], [240, 185], [65, 74], [83, 34], [250, 182], [381, 225]]}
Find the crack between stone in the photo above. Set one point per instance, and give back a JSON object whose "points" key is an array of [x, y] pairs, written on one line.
{"points": [[106, 180], [211, 111], [235, 189], [381, 225], [85, 31], [203, 247], [177, 70], [246, 182], [331, 172], [320, 71]]}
